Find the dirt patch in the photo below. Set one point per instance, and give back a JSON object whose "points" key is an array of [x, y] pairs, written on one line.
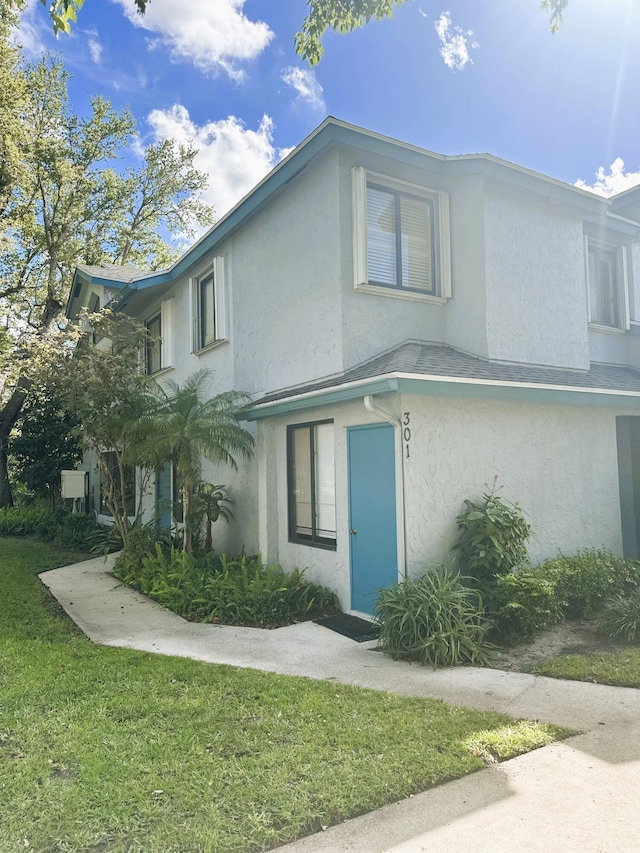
{"points": [[577, 637]]}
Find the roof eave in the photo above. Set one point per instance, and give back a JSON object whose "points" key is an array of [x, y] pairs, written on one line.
{"points": [[448, 386]]}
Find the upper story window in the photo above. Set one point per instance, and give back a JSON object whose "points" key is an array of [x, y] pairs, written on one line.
{"points": [[607, 284], [401, 238], [209, 304], [312, 489], [158, 351], [154, 344]]}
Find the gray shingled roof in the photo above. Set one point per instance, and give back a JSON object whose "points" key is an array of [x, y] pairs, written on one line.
{"points": [[115, 273], [425, 359]]}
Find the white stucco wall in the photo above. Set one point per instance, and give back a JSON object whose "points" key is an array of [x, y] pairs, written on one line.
{"points": [[285, 287], [375, 322], [535, 282], [466, 311], [558, 462]]}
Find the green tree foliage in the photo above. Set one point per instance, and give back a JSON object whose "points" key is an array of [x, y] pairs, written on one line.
{"points": [[68, 204], [555, 9], [12, 100], [44, 442], [184, 425], [103, 388], [341, 16]]}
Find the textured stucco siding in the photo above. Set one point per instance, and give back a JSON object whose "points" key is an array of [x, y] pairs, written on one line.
{"points": [[558, 462], [285, 287], [374, 322], [466, 311], [535, 280], [611, 347], [331, 568]]}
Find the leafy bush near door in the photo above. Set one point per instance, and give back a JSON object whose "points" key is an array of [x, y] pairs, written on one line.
{"points": [[491, 542], [433, 620]]}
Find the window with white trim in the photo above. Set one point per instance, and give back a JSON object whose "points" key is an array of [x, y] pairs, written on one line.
{"points": [[154, 344], [606, 284], [401, 238], [312, 488], [158, 351], [209, 306]]}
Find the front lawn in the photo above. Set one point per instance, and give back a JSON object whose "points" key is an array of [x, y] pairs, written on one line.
{"points": [[115, 750], [620, 669]]}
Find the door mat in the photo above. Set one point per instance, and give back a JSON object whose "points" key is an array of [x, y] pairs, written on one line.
{"points": [[353, 627]]}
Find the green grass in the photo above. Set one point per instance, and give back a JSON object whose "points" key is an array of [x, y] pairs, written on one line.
{"points": [[113, 750], [620, 669]]}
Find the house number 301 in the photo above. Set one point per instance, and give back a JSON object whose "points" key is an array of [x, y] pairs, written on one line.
{"points": [[406, 432]]}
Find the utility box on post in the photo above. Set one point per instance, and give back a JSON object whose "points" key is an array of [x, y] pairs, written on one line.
{"points": [[74, 484]]}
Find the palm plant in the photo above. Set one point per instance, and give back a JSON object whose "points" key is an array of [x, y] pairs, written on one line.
{"points": [[185, 426], [212, 502]]}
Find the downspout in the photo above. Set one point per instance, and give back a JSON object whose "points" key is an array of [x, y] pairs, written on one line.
{"points": [[370, 406]]}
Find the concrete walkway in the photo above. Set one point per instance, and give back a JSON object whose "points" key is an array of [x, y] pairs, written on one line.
{"points": [[580, 795]]}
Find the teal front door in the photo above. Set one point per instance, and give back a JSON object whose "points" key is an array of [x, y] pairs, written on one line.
{"points": [[372, 513]]}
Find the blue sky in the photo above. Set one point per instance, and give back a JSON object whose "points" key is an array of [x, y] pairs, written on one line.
{"points": [[458, 76]]}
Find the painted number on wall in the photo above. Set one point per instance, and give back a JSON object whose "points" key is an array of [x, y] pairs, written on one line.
{"points": [[406, 433]]}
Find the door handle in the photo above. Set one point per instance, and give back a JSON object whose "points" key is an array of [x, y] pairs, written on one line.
{"points": [[353, 531]]}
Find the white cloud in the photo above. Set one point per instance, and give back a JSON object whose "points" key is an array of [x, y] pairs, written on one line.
{"points": [[32, 34], [455, 43], [303, 80], [95, 49], [234, 156], [213, 35], [616, 181]]}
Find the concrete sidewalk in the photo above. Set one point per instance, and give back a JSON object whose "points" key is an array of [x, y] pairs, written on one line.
{"points": [[580, 795]]}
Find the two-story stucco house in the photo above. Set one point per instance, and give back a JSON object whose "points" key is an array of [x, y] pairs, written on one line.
{"points": [[410, 326]]}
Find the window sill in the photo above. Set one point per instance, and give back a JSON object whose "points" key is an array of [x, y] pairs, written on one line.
{"points": [[325, 546], [161, 372], [212, 346], [612, 330], [378, 290]]}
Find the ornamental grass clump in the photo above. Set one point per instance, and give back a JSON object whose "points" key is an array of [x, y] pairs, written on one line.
{"points": [[433, 620], [620, 617]]}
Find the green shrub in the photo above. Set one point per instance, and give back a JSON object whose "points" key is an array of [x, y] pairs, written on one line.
{"points": [[434, 620], [584, 581], [525, 604], [141, 543], [68, 530], [65, 529], [492, 539], [232, 590], [23, 521], [620, 617]]}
